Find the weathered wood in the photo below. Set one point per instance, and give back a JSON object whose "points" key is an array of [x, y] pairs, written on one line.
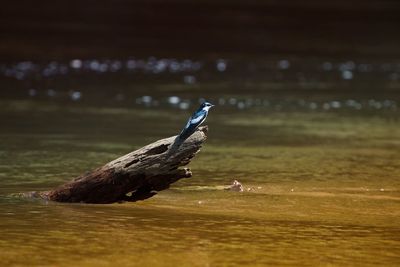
{"points": [[135, 176]]}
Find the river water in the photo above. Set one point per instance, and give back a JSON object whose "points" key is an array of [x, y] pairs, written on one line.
{"points": [[315, 145]]}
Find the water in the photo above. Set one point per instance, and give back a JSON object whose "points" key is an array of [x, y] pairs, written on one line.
{"points": [[321, 185], [306, 118]]}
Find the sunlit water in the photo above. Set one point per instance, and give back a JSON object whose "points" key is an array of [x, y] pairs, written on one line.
{"points": [[321, 187]]}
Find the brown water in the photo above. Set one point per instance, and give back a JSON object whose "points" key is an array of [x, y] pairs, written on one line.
{"points": [[307, 119], [321, 188]]}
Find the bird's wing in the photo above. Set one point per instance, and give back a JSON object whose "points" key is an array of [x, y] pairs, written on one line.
{"points": [[197, 117], [194, 121], [187, 124]]}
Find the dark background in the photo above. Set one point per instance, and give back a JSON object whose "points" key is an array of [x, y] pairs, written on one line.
{"points": [[54, 29]]}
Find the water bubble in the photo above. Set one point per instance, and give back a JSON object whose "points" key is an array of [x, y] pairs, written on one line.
{"points": [[25, 65], [161, 66], [335, 104], [353, 104], [283, 64], [47, 72], [350, 102], [313, 105], [184, 105], [349, 65], [232, 101], [221, 65], [76, 95], [131, 64], [241, 105], [116, 66], [326, 106], [146, 98], [94, 65], [76, 64], [189, 79], [32, 92], [174, 100], [103, 67], [51, 93], [174, 66], [374, 104], [186, 65], [347, 75], [387, 103]]}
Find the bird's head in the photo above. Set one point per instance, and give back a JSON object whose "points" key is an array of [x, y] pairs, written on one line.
{"points": [[206, 106]]}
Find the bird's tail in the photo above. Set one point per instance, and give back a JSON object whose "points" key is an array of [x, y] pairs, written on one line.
{"points": [[186, 133]]}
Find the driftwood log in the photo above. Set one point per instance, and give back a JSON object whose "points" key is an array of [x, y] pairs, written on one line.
{"points": [[135, 176]]}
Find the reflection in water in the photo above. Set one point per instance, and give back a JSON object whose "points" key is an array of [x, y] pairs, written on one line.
{"points": [[26, 70], [275, 104], [157, 66], [313, 85]]}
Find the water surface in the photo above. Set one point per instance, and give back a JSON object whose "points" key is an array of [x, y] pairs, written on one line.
{"points": [[321, 188]]}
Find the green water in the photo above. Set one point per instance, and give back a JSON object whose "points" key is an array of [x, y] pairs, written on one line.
{"points": [[321, 188]]}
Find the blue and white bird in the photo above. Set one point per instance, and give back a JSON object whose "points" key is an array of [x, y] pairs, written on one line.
{"points": [[198, 117]]}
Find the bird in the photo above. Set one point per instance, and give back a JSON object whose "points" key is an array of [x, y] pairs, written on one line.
{"points": [[198, 117]]}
